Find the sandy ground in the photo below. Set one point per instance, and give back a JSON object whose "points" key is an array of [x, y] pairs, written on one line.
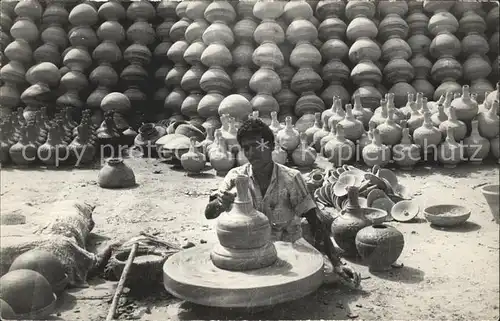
{"points": [[447, 274]]}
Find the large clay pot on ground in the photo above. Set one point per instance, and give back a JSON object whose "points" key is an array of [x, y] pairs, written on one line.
{"points": [[28, 293], [44, 263], [476, 147], [380, 246], [116, 174], [193, 161]]}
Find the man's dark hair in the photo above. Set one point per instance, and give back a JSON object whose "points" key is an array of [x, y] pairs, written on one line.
{"points": [[255, 127]]}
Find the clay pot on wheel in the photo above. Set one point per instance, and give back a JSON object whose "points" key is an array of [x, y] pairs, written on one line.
{"points": [[116, 174], [380, 246]]}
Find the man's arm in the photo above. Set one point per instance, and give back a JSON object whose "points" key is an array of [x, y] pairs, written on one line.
{"points": [[221, 200]]}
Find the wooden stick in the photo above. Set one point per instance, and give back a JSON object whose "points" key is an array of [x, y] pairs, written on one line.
{"points": [[121, 283], [158, 240]]}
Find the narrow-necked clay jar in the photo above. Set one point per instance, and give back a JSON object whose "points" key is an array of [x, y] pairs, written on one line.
{"points": [[458, 126], [427, 136], [416, 118], [376, 153], [353, 128], [24, 152], [450, 153], [318, 136], [489, 122], [275, 124], [439, 117], [116, 174], [55, 151], [495, 148], [350, 221], [331, 135], [193, 161], [311, 130], [304, 155], [220, 158], [288, 137], [465, 108], [82, 149], [476, 147], [390, 131], [279, 155], [340, 150], [406, 154], [361, 113]]}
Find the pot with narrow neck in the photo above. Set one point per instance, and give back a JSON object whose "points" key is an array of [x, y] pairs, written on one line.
{"points": [[244, 234]]}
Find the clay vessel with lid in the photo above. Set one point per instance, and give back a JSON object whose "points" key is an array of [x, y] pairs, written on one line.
{"points": [[439, 117], [55, 151], [220, 158], [427, 136], [82, 149], [379, 246], [193, 161], [288, 138], [304, 155], [351, 220], [339, 150], [450, 153], [476, 147], [458, 126], [390, 132], [376, 153], [24, 152], [353, 128], [465, 108], [116, 174], [489, 122], [406, 154], [243, 229]]}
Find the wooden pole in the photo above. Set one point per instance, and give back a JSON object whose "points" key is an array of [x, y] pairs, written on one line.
{"points": [[121, 283]]}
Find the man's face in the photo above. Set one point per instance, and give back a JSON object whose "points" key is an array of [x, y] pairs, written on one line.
{"points": [[257, 150]]}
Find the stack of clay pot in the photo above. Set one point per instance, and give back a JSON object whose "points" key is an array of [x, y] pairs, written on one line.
{"points": [[77, 58], [305, 57], [107, 54], [445, 47], [173, 101], [190, 81], [216, 82], [364, 51], [334, 51], [492, 20], [393, 31], [475, 47], [265, 82], [166, 10], [419, 43]]}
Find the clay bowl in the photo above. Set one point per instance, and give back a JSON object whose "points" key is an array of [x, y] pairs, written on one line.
{"points": [[491, 194], [405, 211], [446, 215]]}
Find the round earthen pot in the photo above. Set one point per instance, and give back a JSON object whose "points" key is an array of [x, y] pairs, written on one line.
{"points": [[26, 291], [116, 101], [116, 174], [44, 263], [380, 246]]}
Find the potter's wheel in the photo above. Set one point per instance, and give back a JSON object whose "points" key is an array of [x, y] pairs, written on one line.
{"points": [[190, 275]]}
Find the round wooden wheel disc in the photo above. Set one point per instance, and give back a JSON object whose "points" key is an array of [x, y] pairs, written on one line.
{"points": [[190, 275]]}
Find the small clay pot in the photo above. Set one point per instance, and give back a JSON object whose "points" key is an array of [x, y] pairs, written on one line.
{"points": [[116, 174]]}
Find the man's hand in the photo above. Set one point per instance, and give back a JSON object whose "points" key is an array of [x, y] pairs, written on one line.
{"points": [[227, 200], [348, 276]]}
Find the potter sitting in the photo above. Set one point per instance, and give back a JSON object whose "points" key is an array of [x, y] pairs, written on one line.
{"points": [[280, 193]]}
